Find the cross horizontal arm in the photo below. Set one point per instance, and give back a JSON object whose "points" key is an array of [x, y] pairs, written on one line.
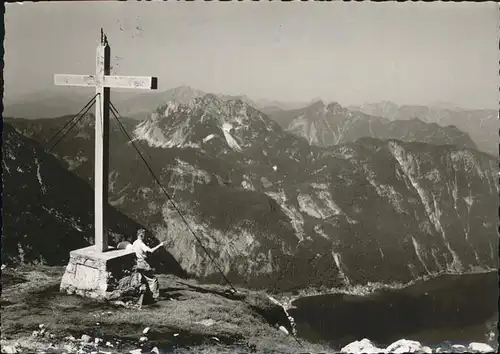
{"points": [[74, 80], [137, 82]]}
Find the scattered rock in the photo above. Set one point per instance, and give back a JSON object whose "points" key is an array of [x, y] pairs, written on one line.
{"points": [[284, 330], [9, 349], [215, 338], [491, 335], [70, 348], [97, 340], [404, 346], [136, 351], [143, 339], [109, 344], [480, 348], [146, 330], [41, 325], [35, 334], [85, 338], [176, 334], [459, 347], [71, 338], [362, 346], [426, 350], [155, 350]]}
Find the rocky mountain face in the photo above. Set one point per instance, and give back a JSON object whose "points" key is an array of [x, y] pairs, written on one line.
{"points": [[47, 210], [481, 124], [327, 125], [274, 210]]}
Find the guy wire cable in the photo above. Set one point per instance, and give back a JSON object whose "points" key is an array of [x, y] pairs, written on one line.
{"points": [[72, 119]]}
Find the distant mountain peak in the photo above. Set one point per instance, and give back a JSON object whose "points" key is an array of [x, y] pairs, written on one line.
{"points": [[210, 97], [318, 105], [181, 125]]}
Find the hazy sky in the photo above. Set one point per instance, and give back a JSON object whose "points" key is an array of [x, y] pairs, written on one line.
{"points": [[412, 53]]}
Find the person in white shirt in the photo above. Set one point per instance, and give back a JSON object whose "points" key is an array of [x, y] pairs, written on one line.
{"points": [[142, 266]]}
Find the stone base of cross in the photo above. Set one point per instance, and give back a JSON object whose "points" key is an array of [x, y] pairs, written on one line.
{"points": [[94, 271]]}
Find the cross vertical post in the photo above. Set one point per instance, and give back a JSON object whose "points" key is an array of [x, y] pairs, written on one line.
{"points": [[103, 81], [101, 185]]}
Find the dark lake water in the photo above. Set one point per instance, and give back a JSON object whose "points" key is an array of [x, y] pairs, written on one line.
{"points": [[451, 308]]}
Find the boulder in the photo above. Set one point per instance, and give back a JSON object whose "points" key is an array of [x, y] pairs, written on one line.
{"points": [[476, 347], [9, 349], [85, 338], [284, 330], [459, 348], [404, 346], [362, 346]]}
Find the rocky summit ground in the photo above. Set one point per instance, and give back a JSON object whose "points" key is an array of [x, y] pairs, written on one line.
{"points": [[36, 317]]}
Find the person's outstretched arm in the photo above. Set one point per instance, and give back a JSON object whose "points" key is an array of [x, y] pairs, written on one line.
{"points": [[156, 247]]}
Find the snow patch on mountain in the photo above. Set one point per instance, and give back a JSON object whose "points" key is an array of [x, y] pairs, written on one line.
{"points": [[208, 137], [226, 129], [38, 175]]}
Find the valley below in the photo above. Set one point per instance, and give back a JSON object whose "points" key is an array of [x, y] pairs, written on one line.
{"points": [[456, 309]]}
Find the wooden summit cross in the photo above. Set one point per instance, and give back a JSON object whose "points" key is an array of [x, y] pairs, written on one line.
{"points": [[102, 82]]}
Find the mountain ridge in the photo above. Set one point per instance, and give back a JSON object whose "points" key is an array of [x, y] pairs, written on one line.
{"points": [[483, 134], [331, 124], [267, 204]]}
